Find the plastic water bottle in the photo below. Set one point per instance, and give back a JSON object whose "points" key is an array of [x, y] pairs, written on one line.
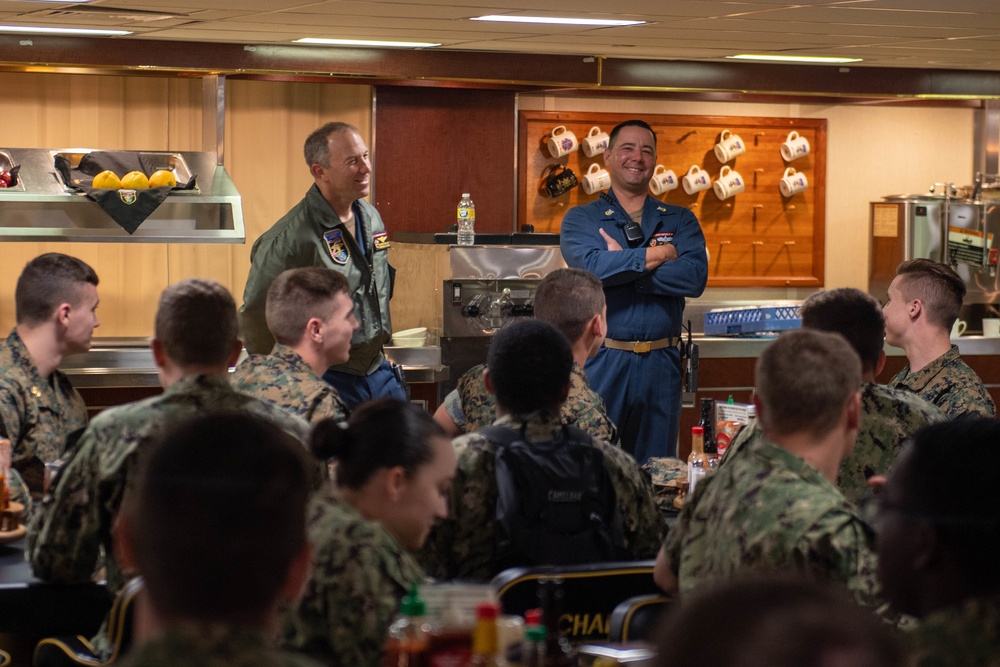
{"points": [[466, 220]]}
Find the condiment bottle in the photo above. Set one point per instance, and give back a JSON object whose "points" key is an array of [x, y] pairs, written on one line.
{"points": [[558, 652], [533, 648], [697, 463], [485, 640], [407, 645]]}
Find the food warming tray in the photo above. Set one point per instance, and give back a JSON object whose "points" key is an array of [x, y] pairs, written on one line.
{"points": [[174, 162], [6, 164]]}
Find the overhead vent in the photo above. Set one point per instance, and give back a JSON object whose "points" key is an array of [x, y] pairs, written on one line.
{"points": [[85, 12]]}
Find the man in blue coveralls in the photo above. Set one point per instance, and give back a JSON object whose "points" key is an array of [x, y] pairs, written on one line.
{"points": [[649, 256]]}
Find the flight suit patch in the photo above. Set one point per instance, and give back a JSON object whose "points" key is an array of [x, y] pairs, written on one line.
{"points": [[339, 251], [381, 240], [661, 238]]}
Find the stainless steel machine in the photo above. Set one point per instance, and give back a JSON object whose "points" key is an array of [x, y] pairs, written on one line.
{"points": [[490, 287], [958, 226]]}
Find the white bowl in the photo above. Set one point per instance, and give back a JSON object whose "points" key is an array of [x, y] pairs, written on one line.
{"points": [[410, 337], [411, 333]]}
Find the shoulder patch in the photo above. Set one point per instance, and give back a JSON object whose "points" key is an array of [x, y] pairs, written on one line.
{"points": [[339, 251], [661, 238], [381, 240]]}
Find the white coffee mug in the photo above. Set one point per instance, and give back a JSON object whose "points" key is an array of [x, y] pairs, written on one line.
{"points": [[562, 142], [991, 327], [729, 183], [794, 147], [595, 143], [792, 183], [663, 180], [730, 145], [959, 327], [596, 179], [696, 180]]}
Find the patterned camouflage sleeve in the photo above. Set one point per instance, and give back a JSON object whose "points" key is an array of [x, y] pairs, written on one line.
{"points": [[11, 409], [640, 514], [478, 404], [839, 546], [65, 536], [968, 399], [675, 538], [461, 546]]}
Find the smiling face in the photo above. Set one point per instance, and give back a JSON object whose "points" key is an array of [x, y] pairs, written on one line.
{"points": [[347, 174], [338, 329], [631, 160]]}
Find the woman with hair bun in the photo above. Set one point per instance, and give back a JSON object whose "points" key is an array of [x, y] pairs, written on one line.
{"points": [[394, 467]]}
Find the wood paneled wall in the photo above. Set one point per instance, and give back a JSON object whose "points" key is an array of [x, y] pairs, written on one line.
{"points": [[436, 143], [266, 125]]}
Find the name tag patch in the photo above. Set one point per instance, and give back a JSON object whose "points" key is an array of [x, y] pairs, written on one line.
{"points": [[381, 240], [661, 238], [339, 251]]}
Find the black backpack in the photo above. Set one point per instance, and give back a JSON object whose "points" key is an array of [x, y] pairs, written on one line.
{"points": [[556, 504]]}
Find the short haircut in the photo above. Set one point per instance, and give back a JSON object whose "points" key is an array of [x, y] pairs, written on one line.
{"points": [[775, 621], [196, 322], [966, 514], [635, 122], [316, 149], [296, 296], [47, 281], [853, 314], [804, 379], [938, 287], [380, 434], [219, 514], [529, 364], [568, 299]]}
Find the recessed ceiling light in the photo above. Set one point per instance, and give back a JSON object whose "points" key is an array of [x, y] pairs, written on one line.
{"points": [[365, 42], [44, 30], [505, 18], [795, 59]]}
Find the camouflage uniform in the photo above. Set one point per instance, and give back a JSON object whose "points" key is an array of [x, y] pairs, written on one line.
{"points": [[583, 408], [967, 635], [888, 416], [286, 380], [359, 575], [462, 546], [76, 517], [950, 384], [212, 646], [768, 510], [37, 414]]}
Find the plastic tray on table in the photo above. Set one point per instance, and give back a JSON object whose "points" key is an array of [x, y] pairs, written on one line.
{"points": [[751, 320]]}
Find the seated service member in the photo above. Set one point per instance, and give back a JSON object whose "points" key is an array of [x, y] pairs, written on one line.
{"points": [[394, 467], [311, 316], [888, 415], [194, 345], [528, 370], [775, 508], [216, 524], [572, 301], [924, 300], [55, 304], [938, 521]]}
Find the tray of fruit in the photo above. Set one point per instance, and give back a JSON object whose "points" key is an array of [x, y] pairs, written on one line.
{"points": [[9, 179], [158, 169]]}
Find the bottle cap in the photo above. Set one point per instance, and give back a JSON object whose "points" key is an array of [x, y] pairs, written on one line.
{"points": [[412, 605], [535, 633], [533, 616], [697, 430], [487, 610], [730, 401], [465, 194]]}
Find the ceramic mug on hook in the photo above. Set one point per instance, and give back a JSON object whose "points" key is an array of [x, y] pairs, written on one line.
{"points": [[696, 180], [730, 146], [663, 180], [792, 183], [729, 183], [596, 179], [794, 147], [562, 142], [595, 143]]}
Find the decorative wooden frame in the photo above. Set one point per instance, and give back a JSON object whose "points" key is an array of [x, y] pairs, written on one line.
{"points": [[756, 238]]}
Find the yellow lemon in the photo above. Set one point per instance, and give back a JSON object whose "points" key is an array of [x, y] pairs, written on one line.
{"points": [[162, 178], [135, 180], [108, 180]]}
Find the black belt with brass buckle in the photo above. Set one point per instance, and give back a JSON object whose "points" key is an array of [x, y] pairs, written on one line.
{"points": [[641, 346]]}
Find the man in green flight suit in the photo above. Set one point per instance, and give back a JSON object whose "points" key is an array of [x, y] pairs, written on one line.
{"points": [[333, 226]]}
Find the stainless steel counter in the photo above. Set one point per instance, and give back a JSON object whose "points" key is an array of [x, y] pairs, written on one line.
{"points": [[128, 362]]}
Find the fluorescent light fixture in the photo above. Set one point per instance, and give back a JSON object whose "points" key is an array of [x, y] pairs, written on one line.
{"points": [[510, 18], [365, 42], [795, 59], [44, 30]]}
